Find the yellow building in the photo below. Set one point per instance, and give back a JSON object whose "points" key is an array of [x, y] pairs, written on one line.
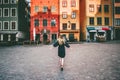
{"points": [[98, 19], [69, 19]]}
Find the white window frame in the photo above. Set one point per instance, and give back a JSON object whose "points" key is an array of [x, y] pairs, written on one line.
{"points": [[73, 16], [0, 25], [5, 3], [0, 1], [64, 15], [73, 3], [91, 7], [3, 12], [15, 25], [53, 8], [64, 3], [15, 12], [36, 9], [4, 26], [14, 2]]}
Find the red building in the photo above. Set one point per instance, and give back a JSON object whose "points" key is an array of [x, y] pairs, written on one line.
{"points": [[44, 20]]}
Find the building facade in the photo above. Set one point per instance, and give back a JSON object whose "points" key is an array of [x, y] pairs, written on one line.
{"points": [[70, 19], [44, 20], [116, 17], [12, 20], [98, 19]]}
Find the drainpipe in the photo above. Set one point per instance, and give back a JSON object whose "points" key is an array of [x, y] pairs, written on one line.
{"points": [[113, 12]]}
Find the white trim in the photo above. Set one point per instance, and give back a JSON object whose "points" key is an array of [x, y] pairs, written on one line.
{"points": [[15, 12], [5, 3], [15, 25], [101, 30], [92, 31], [1, 37], [4, 26], [1, 12], [4, 10], [73, 15], [0, 1], [0, 25]]}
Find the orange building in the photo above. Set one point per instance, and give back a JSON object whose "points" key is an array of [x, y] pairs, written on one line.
{"points": [[69, 19], [44, 20]]}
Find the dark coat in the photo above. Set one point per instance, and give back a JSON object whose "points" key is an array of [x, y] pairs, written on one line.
{"points": [[61, 48]]}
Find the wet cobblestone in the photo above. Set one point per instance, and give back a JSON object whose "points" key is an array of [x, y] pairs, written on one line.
{"points": [[84, 61]]}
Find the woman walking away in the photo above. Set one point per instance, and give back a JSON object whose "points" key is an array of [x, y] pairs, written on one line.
{"points": [[61, 43]]}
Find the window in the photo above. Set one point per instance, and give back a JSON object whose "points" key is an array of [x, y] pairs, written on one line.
{"points": [[13, 25], [44, 22], [117, 22], [36, 22], [5, 25], [73, 26], [53, 8], [106, 8], [36, 9], [5, 1], [13, 12], [64, 15], [0, 12], [0, 25], [73, 3], [99, 8], [91, 8], [117, 1], [91, 20], [5, 12], [13, 1], [73, 14], [106, 20], [64, 25], [99, 21], [64, 3], [0, 1], [53, 22], [45, 9], [117, 10], [54, 36]]}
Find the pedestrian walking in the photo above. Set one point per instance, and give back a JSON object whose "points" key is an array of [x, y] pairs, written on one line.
{"points": [[61, 43]]}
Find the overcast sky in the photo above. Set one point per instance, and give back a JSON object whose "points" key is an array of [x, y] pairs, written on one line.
{"points": [[28, 0]]}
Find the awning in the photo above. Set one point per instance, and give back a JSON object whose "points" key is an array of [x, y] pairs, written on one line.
{"points": [[90, 28], [92, 31], [105, 28], [101, 30]]}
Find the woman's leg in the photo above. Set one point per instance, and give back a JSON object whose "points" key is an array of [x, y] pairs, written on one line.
{"points": [[62, 62]]}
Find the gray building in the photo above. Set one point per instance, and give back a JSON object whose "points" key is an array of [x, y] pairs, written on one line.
{"points": [[14, 25], [116, 19]]}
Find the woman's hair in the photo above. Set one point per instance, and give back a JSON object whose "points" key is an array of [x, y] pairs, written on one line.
{"points": [[61, 40]]}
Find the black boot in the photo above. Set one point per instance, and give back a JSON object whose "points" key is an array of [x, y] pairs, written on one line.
{"points": [[61, 68]]}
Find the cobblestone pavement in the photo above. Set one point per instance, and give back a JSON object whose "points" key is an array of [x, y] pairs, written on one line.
{"points": [[84, 61]]}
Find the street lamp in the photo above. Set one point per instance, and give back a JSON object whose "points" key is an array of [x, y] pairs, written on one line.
{"points": [[69, 23]]}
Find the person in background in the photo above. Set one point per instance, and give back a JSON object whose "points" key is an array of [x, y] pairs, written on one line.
{"points": [[61, 43]]}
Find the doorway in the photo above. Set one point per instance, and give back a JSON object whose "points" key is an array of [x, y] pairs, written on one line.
{"points": [[45, 37]]}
